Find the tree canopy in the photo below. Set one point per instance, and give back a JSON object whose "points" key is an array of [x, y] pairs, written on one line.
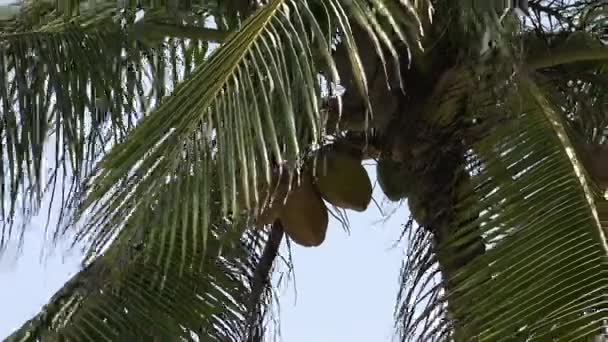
{"points": [[163, 132]]}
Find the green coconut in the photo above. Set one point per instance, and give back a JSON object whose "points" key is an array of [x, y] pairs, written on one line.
{"points": [[392, 179], [342, 180]]}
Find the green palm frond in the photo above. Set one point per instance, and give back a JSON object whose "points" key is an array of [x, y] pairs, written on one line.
{"points": [[126, 294], [208, 302], [193, 168], [254, 106], [62, 106], [543, 274], [572, 74], [164, 213], [583, 96], [565, 48], [572, 68]]}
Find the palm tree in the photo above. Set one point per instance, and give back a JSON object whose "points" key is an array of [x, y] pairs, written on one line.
{"points": [[183, 141]]}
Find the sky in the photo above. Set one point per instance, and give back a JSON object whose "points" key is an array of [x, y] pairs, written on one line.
{"points": [[346, 288]]}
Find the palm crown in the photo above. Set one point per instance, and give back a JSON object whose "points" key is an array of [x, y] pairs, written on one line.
{"points": [[183, 141]]}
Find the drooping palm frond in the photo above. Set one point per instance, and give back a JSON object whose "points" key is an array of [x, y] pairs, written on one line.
{"points": [[208, 302], [257, 98], [543, 274], [428, 302], [565, 48], [572, 68], [63, 105], [137, 289], [251, 108]]}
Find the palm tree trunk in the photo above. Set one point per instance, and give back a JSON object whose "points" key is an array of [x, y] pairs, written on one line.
{"points": [[434, 154], [443, 198], [442, 184]]}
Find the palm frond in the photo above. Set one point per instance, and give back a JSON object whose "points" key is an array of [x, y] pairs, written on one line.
{"points": [[572, 68], [62, 106], [188, 170], [543, 274], [581, 92], [253, 106], [126, 294], [549, 17], [565, 48]]}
